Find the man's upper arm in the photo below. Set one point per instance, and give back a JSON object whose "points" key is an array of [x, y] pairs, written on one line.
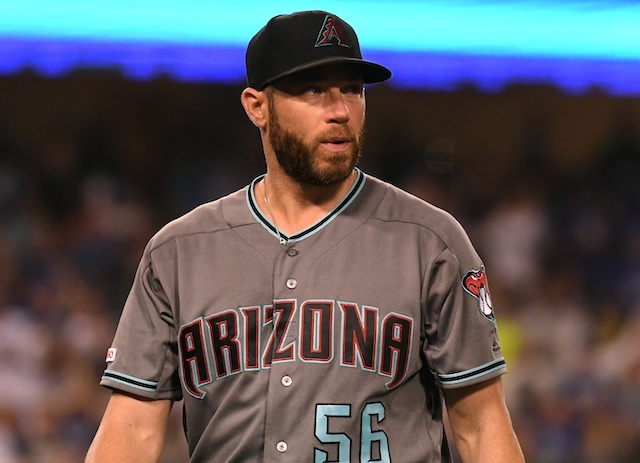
{"points": [[132, 430]]}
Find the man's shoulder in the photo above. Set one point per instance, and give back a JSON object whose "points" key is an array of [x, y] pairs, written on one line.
{"points": [[395, 204], [209, 217]]}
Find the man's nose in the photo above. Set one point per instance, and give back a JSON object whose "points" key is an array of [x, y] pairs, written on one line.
{"points": [[337, 108]]}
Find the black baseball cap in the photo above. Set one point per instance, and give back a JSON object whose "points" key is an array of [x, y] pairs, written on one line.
{"points": [[295, 42]]}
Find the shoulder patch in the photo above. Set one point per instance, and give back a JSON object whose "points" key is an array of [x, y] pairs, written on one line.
{"points": [[475, 283]]}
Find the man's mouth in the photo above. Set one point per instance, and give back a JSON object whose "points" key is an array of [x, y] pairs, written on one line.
{"points": [[336, 142]]}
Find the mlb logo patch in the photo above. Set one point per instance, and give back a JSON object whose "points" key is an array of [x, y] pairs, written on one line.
{"points": [[111, 354]]}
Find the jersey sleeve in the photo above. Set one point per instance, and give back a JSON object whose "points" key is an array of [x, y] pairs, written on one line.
{"points": [[143, 357], [462, 345]]}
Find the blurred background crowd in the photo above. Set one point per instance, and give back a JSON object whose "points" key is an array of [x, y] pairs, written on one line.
{"points": [[546, 184]]}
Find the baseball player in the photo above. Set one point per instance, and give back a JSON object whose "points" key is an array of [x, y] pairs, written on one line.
{"points": [[318, 314]]}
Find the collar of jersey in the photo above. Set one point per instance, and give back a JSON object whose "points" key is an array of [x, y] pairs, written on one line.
{"points": [[316, 227]]}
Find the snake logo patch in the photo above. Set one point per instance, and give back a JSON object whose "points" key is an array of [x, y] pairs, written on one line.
{"points": [[475, 283]]}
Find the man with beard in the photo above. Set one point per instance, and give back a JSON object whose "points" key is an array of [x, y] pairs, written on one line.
{"points": [[319, 314]]}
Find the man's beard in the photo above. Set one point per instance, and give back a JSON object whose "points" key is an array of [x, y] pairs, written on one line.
{"points": [[297, 158]]}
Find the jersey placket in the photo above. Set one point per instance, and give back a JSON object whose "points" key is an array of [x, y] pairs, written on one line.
{"points": [[283, 381]]}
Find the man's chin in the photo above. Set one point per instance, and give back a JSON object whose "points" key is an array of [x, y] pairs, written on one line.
{"points": [[331, 175]]}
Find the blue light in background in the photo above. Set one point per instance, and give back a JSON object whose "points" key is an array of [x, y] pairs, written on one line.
{"points": [[432, 44]]}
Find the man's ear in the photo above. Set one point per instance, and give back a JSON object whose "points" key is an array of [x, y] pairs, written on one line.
{"points": [[256, 106]]}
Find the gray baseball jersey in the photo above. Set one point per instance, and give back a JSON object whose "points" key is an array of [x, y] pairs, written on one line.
{"points": [[332, 347]]}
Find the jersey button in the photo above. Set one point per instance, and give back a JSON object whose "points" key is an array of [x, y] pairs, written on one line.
{"points": [[282, 446], [291, 283], [292, 252], [286, 381]]}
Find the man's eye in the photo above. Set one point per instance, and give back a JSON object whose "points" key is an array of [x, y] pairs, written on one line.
{"points": [[354, 89]]}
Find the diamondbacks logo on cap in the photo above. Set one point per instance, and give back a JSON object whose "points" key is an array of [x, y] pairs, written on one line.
{"points": [[329, 31]]}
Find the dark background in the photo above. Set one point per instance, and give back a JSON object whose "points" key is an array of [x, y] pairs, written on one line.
{"points": [[546, 184]]}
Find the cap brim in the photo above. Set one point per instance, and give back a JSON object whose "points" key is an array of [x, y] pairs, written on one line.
{"points": [[371, 72]]}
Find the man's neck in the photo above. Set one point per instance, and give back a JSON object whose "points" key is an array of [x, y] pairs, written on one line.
{"points": [[293, 206]]}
